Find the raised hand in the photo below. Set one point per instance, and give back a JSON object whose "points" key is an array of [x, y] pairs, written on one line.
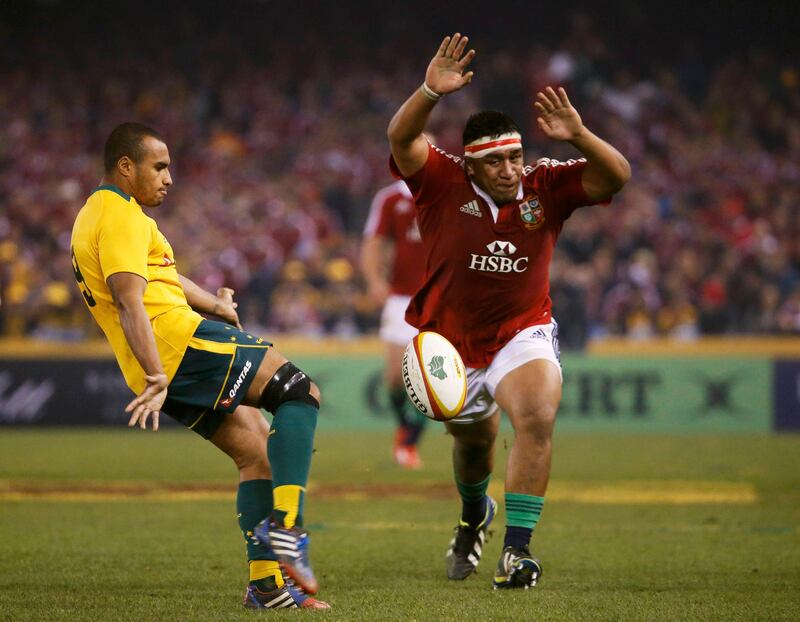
{"points": [[446, 71], [225, 308], [148, 402], [558, 120]]}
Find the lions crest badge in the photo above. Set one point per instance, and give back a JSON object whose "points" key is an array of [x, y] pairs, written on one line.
{"points": [[531, 212]]}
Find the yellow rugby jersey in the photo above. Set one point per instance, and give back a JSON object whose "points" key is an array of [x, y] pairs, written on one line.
{"points": [[112, 234]]}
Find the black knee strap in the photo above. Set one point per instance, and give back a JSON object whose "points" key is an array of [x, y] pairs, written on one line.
{"points": [[289, 384]]}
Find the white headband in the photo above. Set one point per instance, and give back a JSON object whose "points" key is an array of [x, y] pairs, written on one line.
{"points": [[485, 145]]}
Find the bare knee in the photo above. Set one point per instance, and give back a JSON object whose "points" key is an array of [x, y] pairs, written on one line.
{"points": [[243, 437], [536, 423], [250, 453], [473, 442], [250, 460]]}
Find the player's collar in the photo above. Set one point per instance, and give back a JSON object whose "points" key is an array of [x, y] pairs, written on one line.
{"points": [[490, 201], [114, 189], [402, 187]]}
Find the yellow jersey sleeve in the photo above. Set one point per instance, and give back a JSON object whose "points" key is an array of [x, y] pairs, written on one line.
{"points": [[124, 239]]}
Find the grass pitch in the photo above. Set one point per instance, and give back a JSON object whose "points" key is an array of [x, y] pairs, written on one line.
{"points": [[126, 525]]}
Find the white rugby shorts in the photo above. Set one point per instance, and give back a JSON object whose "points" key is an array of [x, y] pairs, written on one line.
{"points": [[394, 328], [534, 342]]}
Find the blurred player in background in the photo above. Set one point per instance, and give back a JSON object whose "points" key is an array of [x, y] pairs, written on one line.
{"points": [[393, 263], [212, 376], [489, 224]]}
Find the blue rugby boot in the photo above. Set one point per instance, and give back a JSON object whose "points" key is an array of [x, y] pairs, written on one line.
{"points": [[290, 547], [286, 597], [467, 544]]}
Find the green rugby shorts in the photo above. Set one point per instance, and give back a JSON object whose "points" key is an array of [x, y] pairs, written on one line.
{"points": [[214, 375]]}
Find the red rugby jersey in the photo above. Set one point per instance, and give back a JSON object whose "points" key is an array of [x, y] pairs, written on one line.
{"points": [[393, 216], [485, 280]]}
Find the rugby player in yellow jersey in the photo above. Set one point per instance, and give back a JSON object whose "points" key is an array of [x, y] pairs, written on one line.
{"points": [[212, 376]]}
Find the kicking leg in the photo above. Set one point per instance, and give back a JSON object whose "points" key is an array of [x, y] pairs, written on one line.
{"points": [[289, 394]]}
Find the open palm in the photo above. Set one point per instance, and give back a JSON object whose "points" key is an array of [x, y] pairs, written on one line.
{"points": [[446, 71], [149, 401], [558, 120]]}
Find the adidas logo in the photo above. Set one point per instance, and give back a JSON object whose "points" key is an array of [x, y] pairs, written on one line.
{"points": [[501, 249], [538, 334], [472, 209]]}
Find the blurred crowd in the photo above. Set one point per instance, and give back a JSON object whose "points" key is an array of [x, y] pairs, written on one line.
{"points": [[278, 145]]}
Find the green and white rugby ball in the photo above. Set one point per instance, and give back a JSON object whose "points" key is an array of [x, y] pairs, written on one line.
{"points": [[434, 376]]}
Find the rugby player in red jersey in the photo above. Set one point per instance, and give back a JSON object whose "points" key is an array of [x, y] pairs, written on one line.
{"points": [[393, 262], [489, 224]]}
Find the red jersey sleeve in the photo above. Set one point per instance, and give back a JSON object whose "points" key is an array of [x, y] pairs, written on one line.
{"points": [[562, 182], [432, 180]]}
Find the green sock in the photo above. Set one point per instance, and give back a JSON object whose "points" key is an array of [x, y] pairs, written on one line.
{"points": [[254, 504], [289, 447], [523, 510], [522, 514], [473, 500]]}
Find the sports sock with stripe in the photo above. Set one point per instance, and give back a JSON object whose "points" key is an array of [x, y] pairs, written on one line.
{"points": [[289, 447], [473, 501], [522, 514], [265, 575], [254, 504]]}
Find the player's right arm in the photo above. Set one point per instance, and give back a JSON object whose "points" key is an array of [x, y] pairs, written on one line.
{"points": [[374, 252], [124, 237], [127, 290], [445, 74]]}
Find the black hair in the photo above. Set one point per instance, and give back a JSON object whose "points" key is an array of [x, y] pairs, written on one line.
{"points": [[488, 123], [126, 140]]}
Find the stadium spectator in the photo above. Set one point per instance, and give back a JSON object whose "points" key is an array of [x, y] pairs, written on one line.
{"points": [[287, 133]]}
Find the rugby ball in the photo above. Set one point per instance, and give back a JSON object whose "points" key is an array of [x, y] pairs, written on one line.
{"points": [[434, 376]]}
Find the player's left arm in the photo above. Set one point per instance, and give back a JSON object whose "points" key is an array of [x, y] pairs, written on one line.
{"points": [[221, 305], [606, 169]]}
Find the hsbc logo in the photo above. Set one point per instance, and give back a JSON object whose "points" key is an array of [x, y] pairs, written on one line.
{"points": [[501, 249], [500, 259]]}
